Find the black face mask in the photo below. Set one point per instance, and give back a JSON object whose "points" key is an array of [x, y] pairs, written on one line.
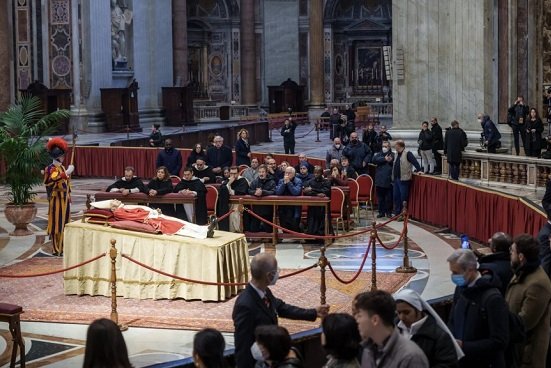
{"points": [[168, 148]]}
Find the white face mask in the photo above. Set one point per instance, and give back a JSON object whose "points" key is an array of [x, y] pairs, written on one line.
{"points": [[480, 120], [257, 353], [385, 149], [337, 146], [276, 277]]}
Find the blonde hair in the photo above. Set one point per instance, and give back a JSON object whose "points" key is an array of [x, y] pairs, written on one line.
{"points": [[241, 131]]}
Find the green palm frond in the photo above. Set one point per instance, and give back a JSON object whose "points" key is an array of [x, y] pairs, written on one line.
{"points": [[23, 128]]}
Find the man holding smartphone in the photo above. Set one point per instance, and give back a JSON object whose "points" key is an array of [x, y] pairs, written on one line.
{"points": [[516, 116]]}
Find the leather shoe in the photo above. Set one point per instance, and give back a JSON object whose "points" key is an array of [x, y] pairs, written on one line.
{"points": [[380, 215]]}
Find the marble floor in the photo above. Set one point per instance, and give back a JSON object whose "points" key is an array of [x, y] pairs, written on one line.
{"points": [[62, 345]]}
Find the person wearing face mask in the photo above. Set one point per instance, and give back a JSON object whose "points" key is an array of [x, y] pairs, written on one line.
{"points": [[529, 296], [170, 158], [273, 348], [335, 152], [257, 306], [358, 153], [479, 313], [402, 173], [383, 180]]}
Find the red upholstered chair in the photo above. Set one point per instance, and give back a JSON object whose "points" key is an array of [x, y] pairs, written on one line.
{"points": [[365, 195], [175, 179], [10, 313], [243, 167], [337, 208], [212, 199], [354, 192]]}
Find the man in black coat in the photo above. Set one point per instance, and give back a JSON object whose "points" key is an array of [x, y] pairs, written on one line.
{"points": [[235, 185], [263, 185], [454, 143], [383, 179], [190, 185], [437, 144], [257, 306], [128, 183], [319, 187], [499, 261], [202, 171], [358, 153], [545, 232], [219, 156], [170, 158], [489, 132], [516, 118], [479, 315]]}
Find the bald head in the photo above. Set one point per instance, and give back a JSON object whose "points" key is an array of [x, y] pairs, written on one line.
{"points": [[261, 265], [500, 242]]}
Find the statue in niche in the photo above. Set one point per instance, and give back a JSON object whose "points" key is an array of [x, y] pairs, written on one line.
{"points": [[121, 17]]}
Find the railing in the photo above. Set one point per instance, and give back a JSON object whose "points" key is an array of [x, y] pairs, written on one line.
{"points": [[213, 112], [206, 112], [499, 168]]}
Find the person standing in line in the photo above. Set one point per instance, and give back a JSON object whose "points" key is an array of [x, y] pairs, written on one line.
{"points": [[516, 116], [288, 133], [156, 137], [425, 148], [57, 180], [105, 346], [455, 142], [402, 173], [534, 130], [242, 148], [437, 144]]}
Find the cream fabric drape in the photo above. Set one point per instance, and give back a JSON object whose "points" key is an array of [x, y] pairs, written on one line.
{"points": [[223, 258]]}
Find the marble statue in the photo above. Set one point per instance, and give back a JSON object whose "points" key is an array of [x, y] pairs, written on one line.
{"points": [[120, 19]]}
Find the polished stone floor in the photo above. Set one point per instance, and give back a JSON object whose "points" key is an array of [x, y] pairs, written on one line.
{"points": [[62, 345]]}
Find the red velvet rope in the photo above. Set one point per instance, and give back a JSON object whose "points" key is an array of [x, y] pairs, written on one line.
{"points": [[225, 215], [206, 282], [54, 272], [402, 235], [357, 273]]}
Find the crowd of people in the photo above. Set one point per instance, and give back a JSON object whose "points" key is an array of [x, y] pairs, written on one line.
{"points": [[499, 317]]}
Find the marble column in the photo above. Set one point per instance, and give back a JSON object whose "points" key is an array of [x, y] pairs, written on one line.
{"points": [[316, 53], [248, 54], [4, 56], [179, 42]]}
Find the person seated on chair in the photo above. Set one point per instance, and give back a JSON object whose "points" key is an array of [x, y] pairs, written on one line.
{"points": [[336, 177], [251, 173], [262, 186], [158, 186], [303, 174], [165, 224], [303, 160], [203, 172], [347, 170], [127, 184], [274, 171], [190, 185], [235, 185], [290, 185], [318, 186]]}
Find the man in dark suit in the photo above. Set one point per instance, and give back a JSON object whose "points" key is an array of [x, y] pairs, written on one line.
{"points": [[219, 156], [454, 143], [257, 306]]}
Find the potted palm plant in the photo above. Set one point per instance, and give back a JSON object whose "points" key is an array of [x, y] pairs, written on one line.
{"points": [[23, 130]]}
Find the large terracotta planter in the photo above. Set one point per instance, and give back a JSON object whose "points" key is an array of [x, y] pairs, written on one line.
{"points": [[20, 216]]}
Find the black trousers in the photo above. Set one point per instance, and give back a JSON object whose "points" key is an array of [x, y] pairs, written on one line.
{"points": [[289, 148], [492, 148], [384, 200], [454, 170], [518, 130], [438, 159]]}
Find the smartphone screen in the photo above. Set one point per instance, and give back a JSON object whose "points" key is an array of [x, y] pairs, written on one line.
{"points": [[465, 244]]}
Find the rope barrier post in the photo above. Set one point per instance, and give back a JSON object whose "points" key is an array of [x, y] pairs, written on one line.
{"points": [[114, 314], [373, 241], [241, 208], [317, 131], [406, 266], [322, 263]]}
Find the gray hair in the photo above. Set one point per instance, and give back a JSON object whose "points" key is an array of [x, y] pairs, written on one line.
{"points": [[261, 264], [464, 258]]}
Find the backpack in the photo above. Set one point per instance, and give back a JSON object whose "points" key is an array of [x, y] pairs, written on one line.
{"points": [[517, 332]]}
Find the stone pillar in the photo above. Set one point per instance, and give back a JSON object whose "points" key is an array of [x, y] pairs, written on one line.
{"points": [[316, 53], [179, 42], [248, 54], [5, 43]]}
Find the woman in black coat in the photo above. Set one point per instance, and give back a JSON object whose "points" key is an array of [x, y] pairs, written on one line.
{"points": [[534, 130], [242, 148], [198, 151], [158, 186], [288, 133]]}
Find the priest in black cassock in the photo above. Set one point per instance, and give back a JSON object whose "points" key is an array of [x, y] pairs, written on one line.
{"points": [[127, 184], [318, 187], [190, 185], [235, 185], [202, 171]]}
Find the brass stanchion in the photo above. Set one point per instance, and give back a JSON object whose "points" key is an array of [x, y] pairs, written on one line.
{"points": [[406, 266], [241, 208], [114, 314], [317, 131], [373, 242], [322, 263]]}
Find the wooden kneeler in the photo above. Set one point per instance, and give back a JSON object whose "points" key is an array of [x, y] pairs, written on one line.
{"points": [[10, 313]]}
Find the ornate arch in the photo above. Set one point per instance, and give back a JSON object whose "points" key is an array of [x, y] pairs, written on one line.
{"points": [[355, 10]]}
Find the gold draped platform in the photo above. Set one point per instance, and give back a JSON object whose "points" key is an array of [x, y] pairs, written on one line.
{"points": [[223, 258]]}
